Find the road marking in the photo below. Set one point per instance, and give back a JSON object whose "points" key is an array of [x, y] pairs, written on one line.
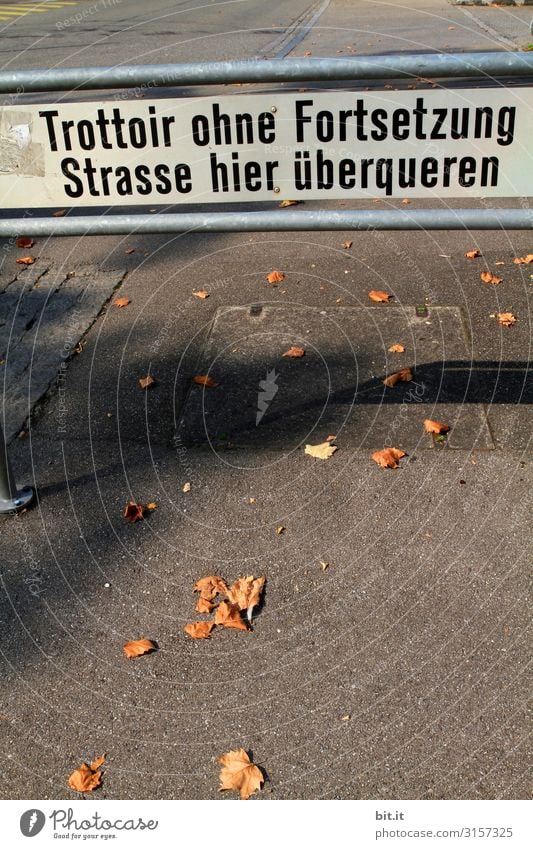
{"points": [[21, 10]]}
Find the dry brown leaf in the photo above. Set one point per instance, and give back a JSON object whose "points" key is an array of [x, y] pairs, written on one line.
{"points": [[147, 382], [388, 457], [402, 376], [25, 260], [518, 260], [295, 352], [129, 251], [199, 630], [121, 302], [379, 297], [323, 451], [406, 200], [24, 242], [205, 380], [186, 487], [210, 587], [204, 606], [275, 277], [229, 616], [135, 648], [488, 277], [239, 773], [60, 213], [151, 505], [432, 426], [133, 511], [506, 319], [330, 438], [347, 245], [87, 777], [202, 294], [285, 203], [397, 349], [280, 530], [307, 53], [473, 254], [245, 593]]}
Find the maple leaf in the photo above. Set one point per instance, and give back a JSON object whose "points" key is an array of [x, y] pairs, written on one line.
{"points": [[275, 277], [347, 245], [147, 382], [210, 587], [506, 319], [229, 615], [239, 773], [205, 380], [25, 260], [245, 593], [379, 297], [202, 294], [402, 376], [121, 302], [199, 630], [473, 254], [323, 451], [487, 277], [388, 457], [133, 511], [432, 426], [518, 260], [136, 648], [397, 348], [285, 203], [24, 242], [294, 351], [87, 777], [204, 606]]}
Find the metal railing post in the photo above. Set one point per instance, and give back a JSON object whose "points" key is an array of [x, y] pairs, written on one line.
{"points": [[11, 498]]}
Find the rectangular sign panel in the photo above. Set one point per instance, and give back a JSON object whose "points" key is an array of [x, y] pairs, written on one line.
{"points": [[307, 145]]}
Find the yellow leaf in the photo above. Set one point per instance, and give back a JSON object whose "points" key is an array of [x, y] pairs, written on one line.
{"points": [[323, 451]]}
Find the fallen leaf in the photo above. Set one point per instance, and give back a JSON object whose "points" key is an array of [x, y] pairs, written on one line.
{"points": [[294, 351], [204, 606], [324, 565], [397, 349], [205, 380], [229, 616], [24, 242], [347, 245], [87, 777], [133, 511], [121, 302], [147, 382], [25, 260], [245, 593], [507, 319], [129, 251], [330, 438], [135, 648], [323, 451], [151, 506], [186, 487], [487, 277], [210, 587], [432, 426], [402, 376], [275, 277], [199, 630], [406, 200], [473, 254], [239, 773], [307, 53], [379, 297], [201, 294], [280, 530], [59, 213], [285, 203], [346, 717], [518, 260], [388, 457], [499, 263]]}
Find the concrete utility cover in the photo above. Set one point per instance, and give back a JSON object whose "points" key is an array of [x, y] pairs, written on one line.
{"points": [[267, 400]]}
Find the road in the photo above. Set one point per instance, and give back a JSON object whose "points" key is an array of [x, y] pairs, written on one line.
{"points": [[398, 669]]}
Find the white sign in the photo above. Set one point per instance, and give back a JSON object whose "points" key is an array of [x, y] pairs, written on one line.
{"points": [[306, 145]]}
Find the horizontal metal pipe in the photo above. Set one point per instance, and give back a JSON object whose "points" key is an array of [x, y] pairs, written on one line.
{"points": [[272, 221], [497, 64]]}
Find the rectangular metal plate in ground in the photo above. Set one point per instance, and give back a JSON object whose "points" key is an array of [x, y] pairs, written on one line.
{"points": [[265, 399]]}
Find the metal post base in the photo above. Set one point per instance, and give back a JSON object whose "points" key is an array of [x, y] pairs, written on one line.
{"points": [[23, 498]]}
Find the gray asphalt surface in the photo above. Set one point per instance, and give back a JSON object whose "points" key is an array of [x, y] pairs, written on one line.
{"points": [[416, 631]]}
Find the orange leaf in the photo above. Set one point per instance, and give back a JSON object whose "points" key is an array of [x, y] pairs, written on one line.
{"points": [[347, 245], [285, 203], [275, 277], [25, 260], [210, 587], [239, 773], [135, 648], [518, 260], [473, 254], [199, 630], [151, 506], [121, 302], [294, 351], [229, 616], [379, 297], [24, 242], [487, 277], [388, 457], [397, 349], [133, 511], [402, 376], [406, 200], [147, 382], [205, 380], [432, 426], [204, 606], [507, 319], [201, 294], [87, 777], [245, 593]]}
